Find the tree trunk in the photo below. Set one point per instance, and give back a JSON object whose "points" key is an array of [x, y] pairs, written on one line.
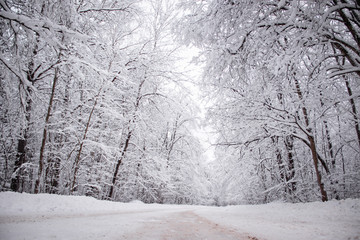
{"points": [[16, 181], [22, 142], [76, 164], [354, 112], [43, 142], [330, 150], [21, 159], [118, 164], [279, 160], [324, 197], [289, 145], [53, 175], [308, 132], [127, 140]]}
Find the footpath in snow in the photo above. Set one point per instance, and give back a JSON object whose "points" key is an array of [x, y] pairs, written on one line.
{"points": [[44, 216]]}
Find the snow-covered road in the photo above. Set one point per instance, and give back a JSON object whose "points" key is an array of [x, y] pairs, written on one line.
{"points": [[171, 224], [44, 216], [185, 225]]}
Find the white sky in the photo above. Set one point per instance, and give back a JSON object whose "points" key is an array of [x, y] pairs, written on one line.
{"points": [[204, 132]]}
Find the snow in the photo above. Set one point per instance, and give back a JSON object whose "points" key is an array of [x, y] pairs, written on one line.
{"points": [[317, 220], [45, 216]]}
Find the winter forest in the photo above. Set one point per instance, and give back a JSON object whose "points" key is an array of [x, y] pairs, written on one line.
{"points": [[211, 102]]}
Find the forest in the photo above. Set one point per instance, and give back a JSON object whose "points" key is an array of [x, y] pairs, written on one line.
{"points": [[99, 98]]}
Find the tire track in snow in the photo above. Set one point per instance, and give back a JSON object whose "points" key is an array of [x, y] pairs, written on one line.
{"points": [[184, 226]]}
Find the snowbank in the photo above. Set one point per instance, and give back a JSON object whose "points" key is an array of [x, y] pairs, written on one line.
{"points": [[12, 203], [333, 220]]}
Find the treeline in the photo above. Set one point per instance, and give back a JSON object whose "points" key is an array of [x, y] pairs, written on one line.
{"points": [[284, 81], [92, 103]]}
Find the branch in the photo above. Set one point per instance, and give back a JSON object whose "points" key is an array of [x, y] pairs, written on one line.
{"points": [[42, 27], [323, 163], [344, 43], [151, 94], [4, 5], [347, 55], [104, 10], [344, 71], [21, 78], [38, 76], [337, 7]]}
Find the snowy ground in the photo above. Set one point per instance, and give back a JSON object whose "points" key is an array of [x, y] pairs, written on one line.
{"points": [[43, 216]]}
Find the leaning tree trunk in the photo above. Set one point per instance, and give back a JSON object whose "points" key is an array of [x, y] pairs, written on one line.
{"points": [[118, 164], [354, 111], [127, 140], [324, 197], [309, 133], [76, 164]]}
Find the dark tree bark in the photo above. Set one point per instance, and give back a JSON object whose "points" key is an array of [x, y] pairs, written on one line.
{"points": [[279, 159], [289, 145], [118, 164], [324, 197], [354, 111], [20, 160], [21, 156], [309, 133]]}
